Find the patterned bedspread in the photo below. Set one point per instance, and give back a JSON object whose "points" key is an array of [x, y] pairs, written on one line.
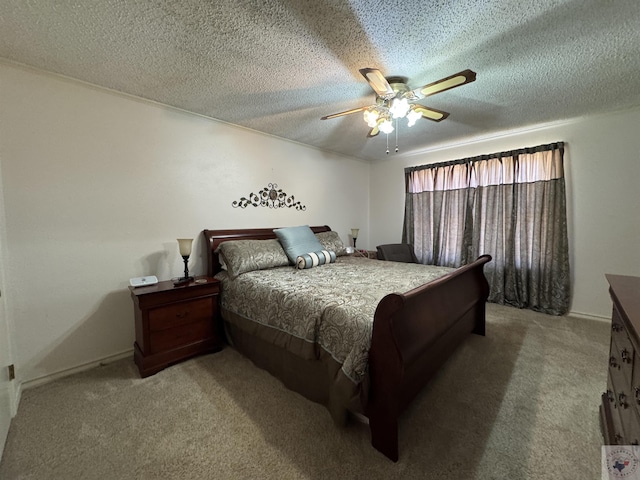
{"points": [[331, 306]]}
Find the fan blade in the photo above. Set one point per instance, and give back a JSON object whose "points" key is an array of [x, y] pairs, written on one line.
{"points": [[347, 112], [455, 80], [431, 113], [377, 81]]}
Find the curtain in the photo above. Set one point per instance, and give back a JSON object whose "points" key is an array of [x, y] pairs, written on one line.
{"points": [[511, 205]]}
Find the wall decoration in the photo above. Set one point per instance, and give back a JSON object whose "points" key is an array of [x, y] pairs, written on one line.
{"points": [[270, 196]]}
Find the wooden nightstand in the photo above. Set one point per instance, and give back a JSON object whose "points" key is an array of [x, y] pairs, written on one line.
{"points": [[175, 323]]}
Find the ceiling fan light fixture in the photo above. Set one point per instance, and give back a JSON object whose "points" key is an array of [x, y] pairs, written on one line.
{"points": [[399, 107], [413, 116], [371, 117], [394, 100], [386, 126]]}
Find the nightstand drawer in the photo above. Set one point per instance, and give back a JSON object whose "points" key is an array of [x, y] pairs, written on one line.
{"points": [[180, 336], [181, 313]]}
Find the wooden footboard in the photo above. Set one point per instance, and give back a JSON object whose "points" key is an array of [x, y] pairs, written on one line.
{"points": [[413, 335]]}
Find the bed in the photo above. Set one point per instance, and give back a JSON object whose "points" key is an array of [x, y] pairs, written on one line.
{"points": [[401, 339]]}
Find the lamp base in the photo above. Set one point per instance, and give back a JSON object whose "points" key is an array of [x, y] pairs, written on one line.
{"points": [[182, 281]]}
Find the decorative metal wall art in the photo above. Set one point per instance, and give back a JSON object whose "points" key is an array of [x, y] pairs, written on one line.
{"points": [[270, 196]]}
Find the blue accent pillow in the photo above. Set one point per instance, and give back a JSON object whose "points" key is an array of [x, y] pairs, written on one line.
{"points": [[297, 241]]}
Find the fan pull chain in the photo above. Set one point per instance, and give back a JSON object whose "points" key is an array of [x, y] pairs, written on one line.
{"points": [[387, 144], [397, 125]]}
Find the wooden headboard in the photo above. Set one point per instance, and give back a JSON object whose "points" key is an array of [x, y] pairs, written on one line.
{"points": [[215, 237]]}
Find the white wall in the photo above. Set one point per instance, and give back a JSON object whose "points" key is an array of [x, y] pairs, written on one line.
{"points": [[97, 188], [602, 168], [8, 394]]}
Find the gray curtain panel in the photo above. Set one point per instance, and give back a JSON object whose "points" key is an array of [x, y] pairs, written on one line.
{"points": [[511, 205]]}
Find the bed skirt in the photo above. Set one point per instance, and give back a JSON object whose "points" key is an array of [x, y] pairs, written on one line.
{"points": [[317, 377]]}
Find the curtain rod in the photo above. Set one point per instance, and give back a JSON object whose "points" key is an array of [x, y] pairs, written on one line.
{"points": [[512, 153]]}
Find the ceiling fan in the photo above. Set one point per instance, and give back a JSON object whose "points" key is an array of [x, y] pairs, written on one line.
{"points": [[395, 100]]}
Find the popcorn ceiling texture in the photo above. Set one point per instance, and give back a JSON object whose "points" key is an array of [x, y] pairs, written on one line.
{"points": [[277, 66]]}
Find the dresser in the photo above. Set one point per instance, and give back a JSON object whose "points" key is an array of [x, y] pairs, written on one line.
{"points": [[620, 408], [173, 323]]}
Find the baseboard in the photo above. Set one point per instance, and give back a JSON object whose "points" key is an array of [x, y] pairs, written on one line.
{"points": [[588, 316], [20, 386], [70, 371]]}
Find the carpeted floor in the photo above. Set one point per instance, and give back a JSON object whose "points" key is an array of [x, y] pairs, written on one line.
{"points": [[520, 403]]}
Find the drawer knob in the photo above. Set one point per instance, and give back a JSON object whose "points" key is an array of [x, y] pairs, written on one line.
{"points": [[613, 363], [622, 400], [616, 327], [625, 355], [182, 315]]}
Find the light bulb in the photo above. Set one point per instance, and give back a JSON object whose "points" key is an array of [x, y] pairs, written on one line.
{"points": [[399, 107], [386, 126], [412, 117], [371, 117]]}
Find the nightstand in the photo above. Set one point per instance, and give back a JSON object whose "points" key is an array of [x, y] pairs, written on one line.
{"points": [[175, 323]]}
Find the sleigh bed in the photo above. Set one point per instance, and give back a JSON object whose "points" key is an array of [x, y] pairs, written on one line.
{"points": [[368, 349]]}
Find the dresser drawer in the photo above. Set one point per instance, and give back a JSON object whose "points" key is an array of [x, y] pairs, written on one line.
{"points": [[628, 415], [632, 427], [623, 343], [181, 313], [611, 399], [619, 371], [635, 383], [180, 336]]}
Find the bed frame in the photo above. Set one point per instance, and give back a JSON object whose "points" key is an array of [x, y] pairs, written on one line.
{"points": [[413, 334]]}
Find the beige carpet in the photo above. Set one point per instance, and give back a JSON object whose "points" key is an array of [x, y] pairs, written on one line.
{"points": [[520, 403]]}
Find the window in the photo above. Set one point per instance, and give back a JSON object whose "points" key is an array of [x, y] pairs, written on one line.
{"points": [[511, 205]]}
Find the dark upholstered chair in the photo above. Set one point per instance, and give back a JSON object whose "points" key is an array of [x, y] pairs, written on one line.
{"points": [[397, 252]]}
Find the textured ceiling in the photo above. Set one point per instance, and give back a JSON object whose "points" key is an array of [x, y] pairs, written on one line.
{"points": [[277, 66]]}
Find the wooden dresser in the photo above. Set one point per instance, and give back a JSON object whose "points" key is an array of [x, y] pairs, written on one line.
{"points": [[620, 409], [175, 323]]}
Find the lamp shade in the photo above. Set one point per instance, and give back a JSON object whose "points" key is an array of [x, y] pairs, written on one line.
{"points": [[412, 117], [386, 126], [354, 232], [184, 244], [399, 107]]}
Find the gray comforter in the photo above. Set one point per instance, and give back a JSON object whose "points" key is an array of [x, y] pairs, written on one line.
{"points": [[329, 307]]}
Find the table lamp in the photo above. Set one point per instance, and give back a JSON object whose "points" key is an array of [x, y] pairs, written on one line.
{"points": [[354, 234], [184, 245]]}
